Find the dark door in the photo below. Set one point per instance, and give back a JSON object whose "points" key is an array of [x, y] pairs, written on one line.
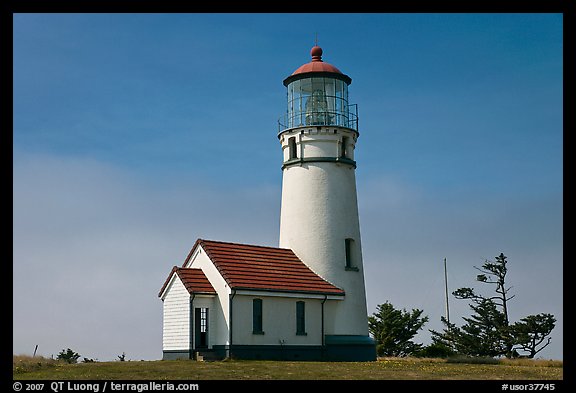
{"points": [[201, 328]]}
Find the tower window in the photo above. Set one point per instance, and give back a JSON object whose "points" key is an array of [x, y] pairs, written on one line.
{"points": [[257, 316], [292, 148], [344, 147], [349, 246], [300, 318]]}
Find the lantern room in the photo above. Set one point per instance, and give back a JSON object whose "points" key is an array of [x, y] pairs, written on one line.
{"points": [[318, 96]]}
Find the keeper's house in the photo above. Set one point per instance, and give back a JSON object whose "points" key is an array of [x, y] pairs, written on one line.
{"points": [[245, 301]]}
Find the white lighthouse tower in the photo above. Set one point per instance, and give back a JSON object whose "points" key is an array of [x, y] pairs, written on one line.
{"points": [[319, 212]]}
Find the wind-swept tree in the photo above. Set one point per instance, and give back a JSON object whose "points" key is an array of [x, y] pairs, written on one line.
{"points": [[488, 331], [531, 332]]}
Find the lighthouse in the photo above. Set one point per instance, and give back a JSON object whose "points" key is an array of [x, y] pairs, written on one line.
{"points": [[303, 300], [319, 210]]}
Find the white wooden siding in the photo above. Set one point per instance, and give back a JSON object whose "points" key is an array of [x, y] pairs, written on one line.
{"points": [[176, 317]]}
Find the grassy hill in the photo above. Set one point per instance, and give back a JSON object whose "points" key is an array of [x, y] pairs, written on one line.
{"points": [[38, 368]]}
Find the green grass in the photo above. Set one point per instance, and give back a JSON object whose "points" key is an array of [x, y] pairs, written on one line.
{"points": [[383, 369]]}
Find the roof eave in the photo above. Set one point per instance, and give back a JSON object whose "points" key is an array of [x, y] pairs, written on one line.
{"points": [[294, 291], [310, 74], [165, 285]]}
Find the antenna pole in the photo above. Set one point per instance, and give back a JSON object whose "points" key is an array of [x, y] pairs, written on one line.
{"points": [[446, 291]]}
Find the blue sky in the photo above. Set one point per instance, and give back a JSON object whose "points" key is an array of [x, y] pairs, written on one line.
{"points": [[136, 134]]}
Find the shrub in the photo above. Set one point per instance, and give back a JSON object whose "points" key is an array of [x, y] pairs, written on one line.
{"points": [[435, 350], [472, 359], [69, 356]]}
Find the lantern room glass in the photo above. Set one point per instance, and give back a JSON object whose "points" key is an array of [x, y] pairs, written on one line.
{"points": [[318, 101]]}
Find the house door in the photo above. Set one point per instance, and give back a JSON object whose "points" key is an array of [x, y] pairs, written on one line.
{"points": [[201, 328]]}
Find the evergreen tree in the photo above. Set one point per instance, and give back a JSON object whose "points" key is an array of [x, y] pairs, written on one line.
{"points": [[393, 330], [483, 333]]}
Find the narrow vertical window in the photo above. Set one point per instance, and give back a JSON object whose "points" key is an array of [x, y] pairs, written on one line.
{"points": [[344, 147], [203, 320], [201, 327], [349, 245], [300, 318], [292, 147], [257, 316]]}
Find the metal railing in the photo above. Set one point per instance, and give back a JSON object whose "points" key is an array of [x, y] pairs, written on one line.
{"points": [[348, 119]]}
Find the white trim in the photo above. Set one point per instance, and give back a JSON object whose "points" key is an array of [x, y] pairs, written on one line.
{"points": [[302, 295], [206, 295], [188, 261], [165, 291]]}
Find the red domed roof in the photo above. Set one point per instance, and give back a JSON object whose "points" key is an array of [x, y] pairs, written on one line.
{"points": [[317, 66]]}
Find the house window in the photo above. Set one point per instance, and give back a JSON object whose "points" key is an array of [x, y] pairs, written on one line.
{"points": [[300, 318], [257, 316], [349, 245], [292, 148], [203, 320], [201, 328]]}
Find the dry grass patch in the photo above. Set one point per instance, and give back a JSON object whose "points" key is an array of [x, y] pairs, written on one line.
{"points": [[532, 362], [383, 369], [25, 363]]}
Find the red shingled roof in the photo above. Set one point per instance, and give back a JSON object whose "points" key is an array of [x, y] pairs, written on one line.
{"points": [[194, 280], [251, 267]]}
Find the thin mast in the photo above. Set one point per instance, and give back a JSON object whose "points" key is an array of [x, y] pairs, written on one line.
{"points": [[446, 291]]}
